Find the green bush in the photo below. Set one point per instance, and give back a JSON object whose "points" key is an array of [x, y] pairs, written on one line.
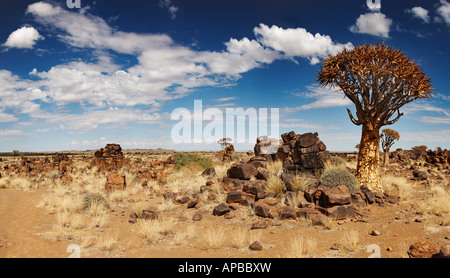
{"points": [[335, 176], [338, 160], [192, 159]]}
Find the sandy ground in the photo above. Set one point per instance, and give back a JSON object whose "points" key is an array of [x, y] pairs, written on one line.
{"points": [[23, 223]]}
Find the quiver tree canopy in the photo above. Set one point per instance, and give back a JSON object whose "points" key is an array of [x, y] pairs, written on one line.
{"points": [[379, 80]]}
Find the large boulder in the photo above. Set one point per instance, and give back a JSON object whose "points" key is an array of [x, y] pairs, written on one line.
{"points": [[115, 182], [332, 196], [262, 210], [425, 249], [242, 171], [307, 140], [338, 212], [315, 160]]}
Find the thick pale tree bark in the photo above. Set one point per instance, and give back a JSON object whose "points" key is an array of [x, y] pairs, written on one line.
{"points": [[386, 157], [368, 168]]}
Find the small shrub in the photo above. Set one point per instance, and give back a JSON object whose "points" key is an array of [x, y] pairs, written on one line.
{"points": [[336, 176], [53, 175], [338, 160], [192, 159], [94, 198], [235, 157]]}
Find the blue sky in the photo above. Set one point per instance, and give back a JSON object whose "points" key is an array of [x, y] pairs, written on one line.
{"points": [[114, 71]]}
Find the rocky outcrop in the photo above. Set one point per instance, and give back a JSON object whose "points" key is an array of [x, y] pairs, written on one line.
{"points": [[108, 158], [299, 152]]}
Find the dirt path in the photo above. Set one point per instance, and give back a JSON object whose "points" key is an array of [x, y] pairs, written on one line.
{"points": [[20, 224]]}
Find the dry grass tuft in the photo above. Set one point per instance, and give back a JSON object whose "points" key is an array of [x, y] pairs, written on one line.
{"points": [[213, 237], [393, 184], [299, 247], [350, 240]]}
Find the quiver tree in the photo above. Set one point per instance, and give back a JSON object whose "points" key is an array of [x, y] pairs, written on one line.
{"points": [[388, 137], [379, 80], [224, 142]]}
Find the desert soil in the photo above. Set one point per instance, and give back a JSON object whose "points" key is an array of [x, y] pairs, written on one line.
{"points": [[23, 225]]}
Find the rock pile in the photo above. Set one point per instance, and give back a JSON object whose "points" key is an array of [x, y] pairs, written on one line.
{"points": [[33, 166], [299, 152], [227, 153], [246, 184], [155, 170], [308, 153], [334, 202], [108, 158], [438, 158], [267, 147]]}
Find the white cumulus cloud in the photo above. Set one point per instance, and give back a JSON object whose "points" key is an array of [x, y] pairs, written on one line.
{"points": [[376, 24], [444, 11], [419, 13], [25, 37], [298, 42]]}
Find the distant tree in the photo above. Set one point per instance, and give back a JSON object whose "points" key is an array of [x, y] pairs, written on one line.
{"points": [[224, 142], [15, 152], [419, 151], [379, 80], [388, 137]]}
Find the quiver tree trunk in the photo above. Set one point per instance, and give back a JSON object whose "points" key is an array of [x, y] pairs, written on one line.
{"points": [[386, 157], [368, 170]]}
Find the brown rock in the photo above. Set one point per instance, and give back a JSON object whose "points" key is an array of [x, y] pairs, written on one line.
{"points": [[263, 173], [149, 215], [338, 212], [254, 187], [307, 212], [262, 210], [197, 217], [286, 212], [259, 225], [209, 172], [310, 192], [234, 196], [425, 249], [221, 209], [192, 203], [332, 196], [115, 182], [315, 160], [183, 200], [258, 163], [375, 233], [242, 171], [288, 180], [256, 246], [307, 140], [420, 175], [318, 219]]}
